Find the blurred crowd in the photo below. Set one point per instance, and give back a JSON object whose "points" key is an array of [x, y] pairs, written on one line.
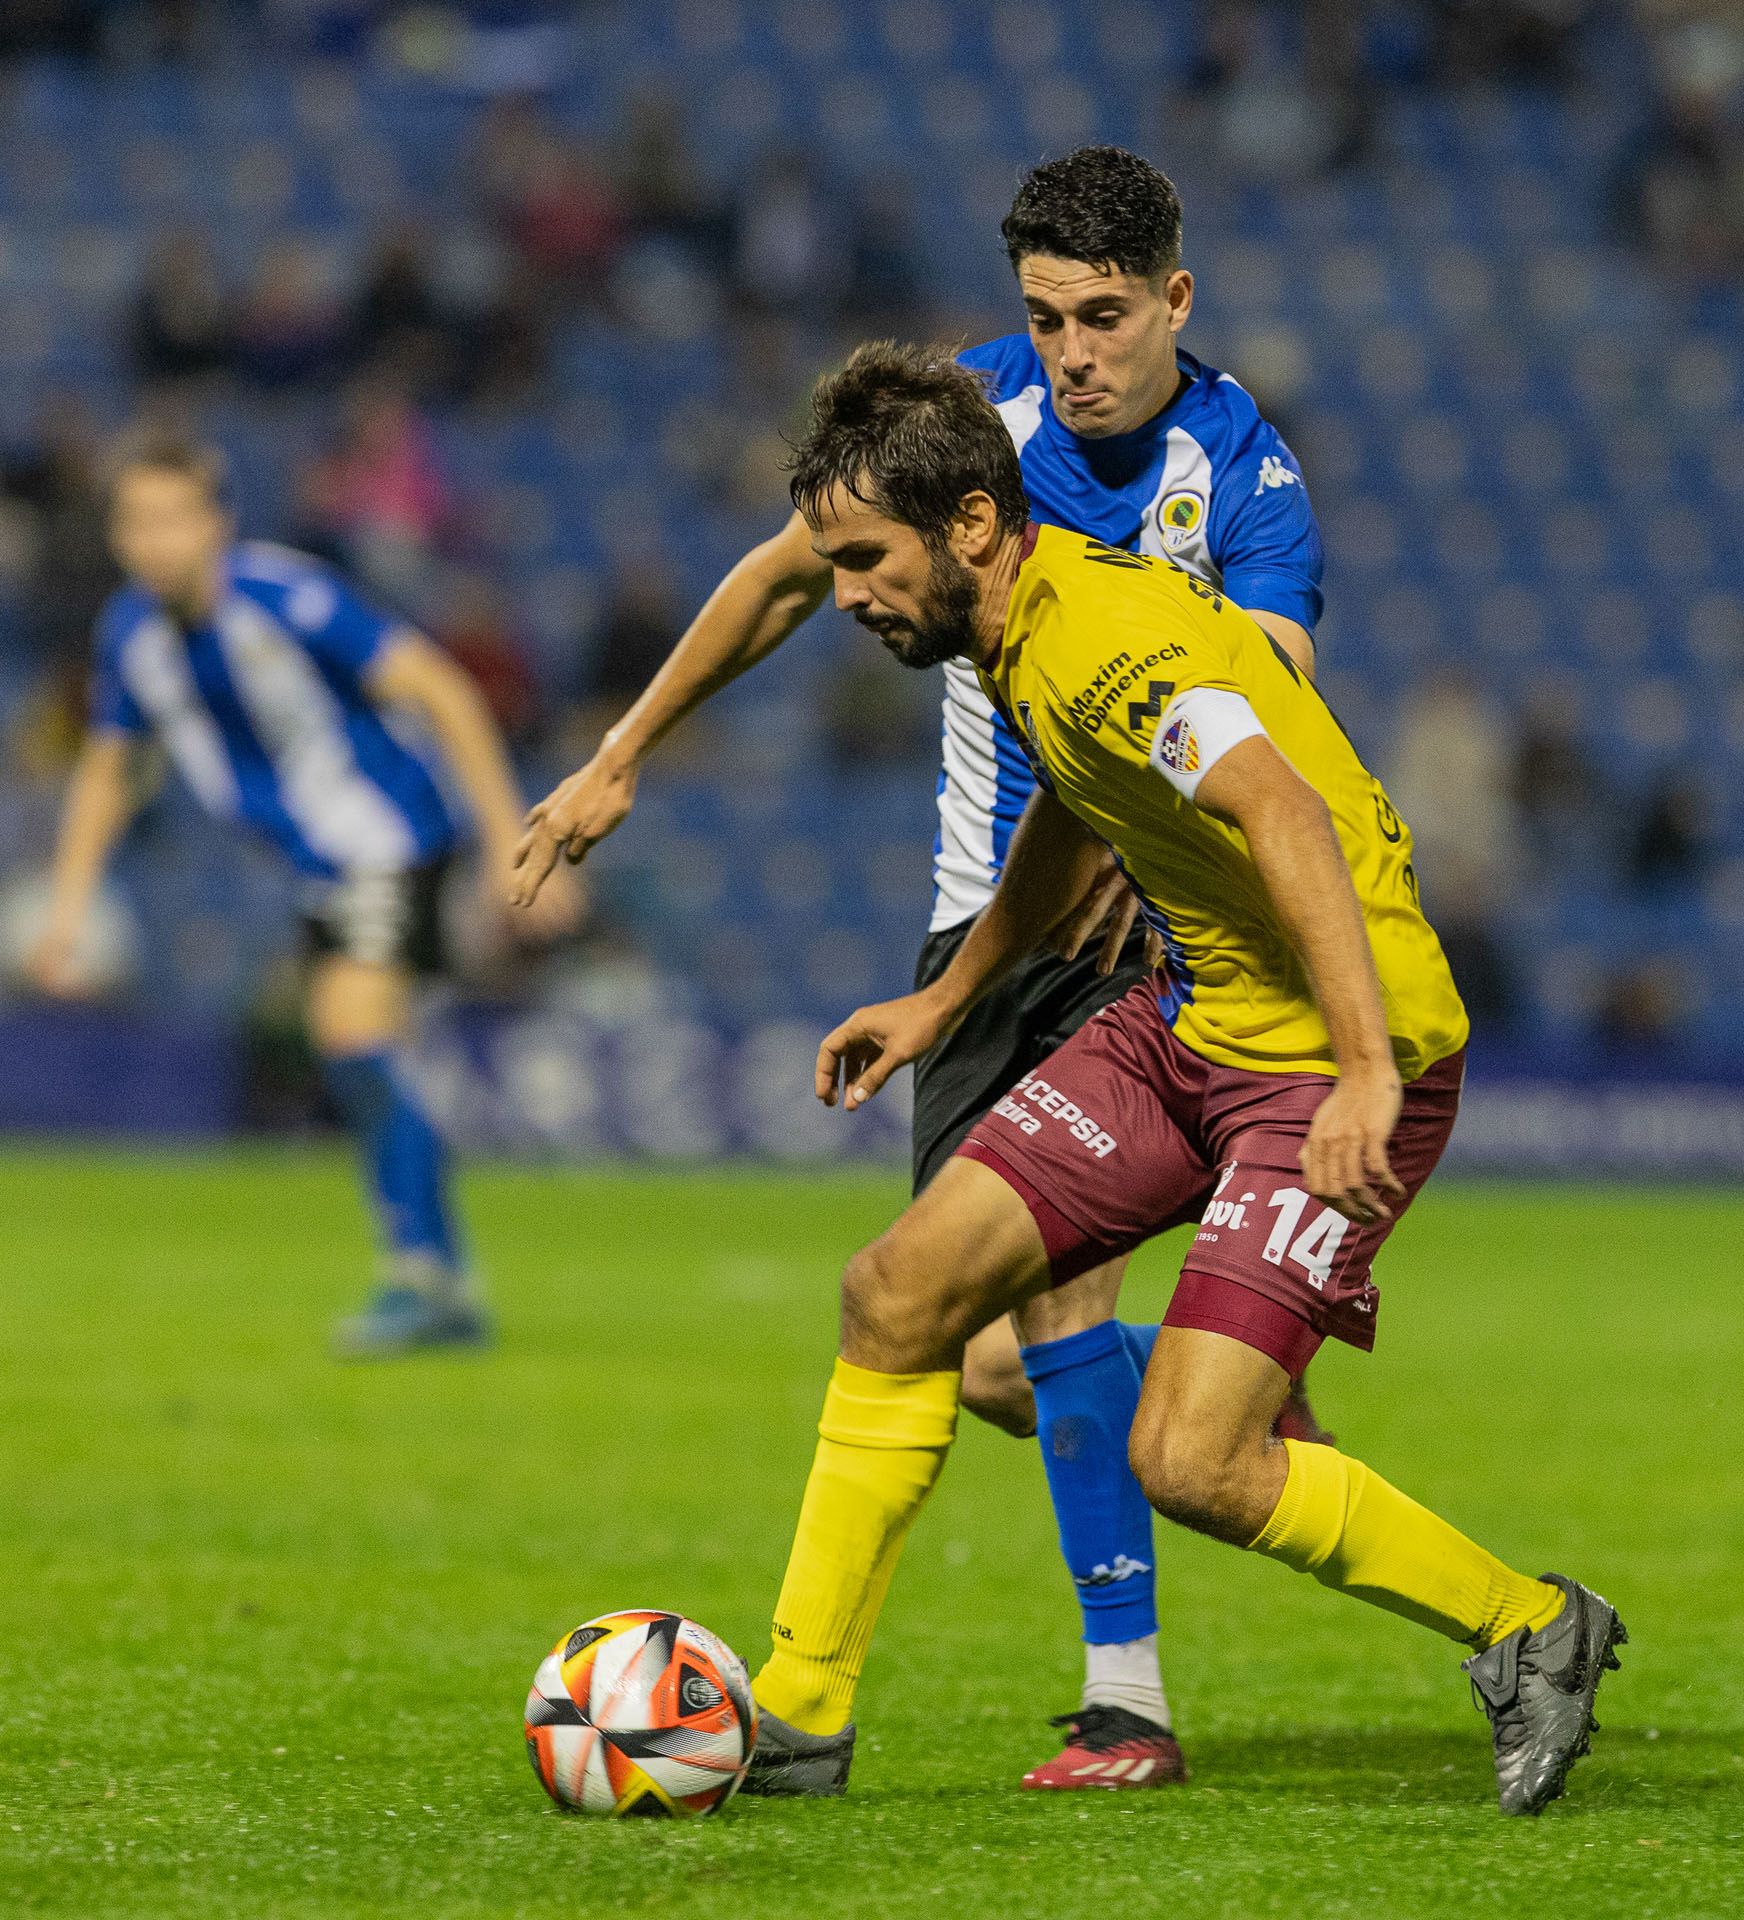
{"points": [[1499, 796], [451, 309], [454, 319]]}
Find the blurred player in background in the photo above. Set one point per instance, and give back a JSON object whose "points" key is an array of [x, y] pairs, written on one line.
{"points": [[1123, 435], [1288, 1078], [277, 693]]}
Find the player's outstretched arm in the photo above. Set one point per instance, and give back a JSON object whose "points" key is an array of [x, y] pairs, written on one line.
{"points": [[1053, 862], [100, 803], [1290, 836], [771, 592]]}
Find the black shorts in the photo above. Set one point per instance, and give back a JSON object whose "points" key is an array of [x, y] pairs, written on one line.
{"points": [[1040, 1004], [380, 919]]}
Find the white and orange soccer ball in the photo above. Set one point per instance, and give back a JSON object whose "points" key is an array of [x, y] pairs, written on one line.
{"points": [[641, 1713]]}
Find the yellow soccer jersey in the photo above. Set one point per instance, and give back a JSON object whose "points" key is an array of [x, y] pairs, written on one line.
{"points": [[1127, 679]]}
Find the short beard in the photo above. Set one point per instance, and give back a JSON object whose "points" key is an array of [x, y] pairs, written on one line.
{"points": [[946, 628]]}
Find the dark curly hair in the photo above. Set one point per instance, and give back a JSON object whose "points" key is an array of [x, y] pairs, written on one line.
{"points": [[909, 432], [1097, 204]]}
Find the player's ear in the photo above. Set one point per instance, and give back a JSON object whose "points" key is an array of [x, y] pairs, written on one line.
{"points": [[975, 526], [1177, 291]]}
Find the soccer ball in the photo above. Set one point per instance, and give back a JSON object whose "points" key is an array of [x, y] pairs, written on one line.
{"points": [[641, 1713]]}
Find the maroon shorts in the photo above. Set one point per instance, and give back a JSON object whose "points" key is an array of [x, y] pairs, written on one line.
{"points": [[1124, 1132]]}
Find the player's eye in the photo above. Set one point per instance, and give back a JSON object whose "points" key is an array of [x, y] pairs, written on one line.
{"points": [[1043, 322]]}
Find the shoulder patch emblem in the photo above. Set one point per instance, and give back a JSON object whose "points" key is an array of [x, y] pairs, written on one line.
{"points": [[1179, 517], [1178, 749]]}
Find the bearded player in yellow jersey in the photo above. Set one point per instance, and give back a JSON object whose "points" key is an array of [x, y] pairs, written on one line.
{"points": [[1288, 1078]]}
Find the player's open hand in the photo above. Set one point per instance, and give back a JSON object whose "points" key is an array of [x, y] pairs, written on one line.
{"points": [[571, 820], [1110, 907], [1344, 1158], [870, 1045]]}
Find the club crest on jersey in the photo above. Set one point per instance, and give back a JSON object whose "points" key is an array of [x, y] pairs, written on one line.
{"points": [[1178, 749], [1180, 517]]}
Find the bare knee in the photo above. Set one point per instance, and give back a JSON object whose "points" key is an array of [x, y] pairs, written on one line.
{"points": [[1194, 1476], [960, 1257], [994, 1386], [891, 1320], [354, 1007]]}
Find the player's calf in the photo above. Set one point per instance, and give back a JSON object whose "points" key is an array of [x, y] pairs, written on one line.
{"points": [[995, 1387], [1195, 1478], [961, 1254], [1202, 1446]]}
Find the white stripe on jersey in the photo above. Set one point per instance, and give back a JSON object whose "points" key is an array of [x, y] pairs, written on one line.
{"points": [[1022, 415], [1186, 469], [154, 668], [964, 874], [344, 816]]}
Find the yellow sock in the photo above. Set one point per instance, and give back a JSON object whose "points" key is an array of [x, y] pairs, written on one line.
{"points": [[881, 1441], [1351, 1530]]}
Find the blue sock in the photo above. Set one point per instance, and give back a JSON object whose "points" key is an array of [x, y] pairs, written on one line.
{"points": [[1139, 1341], [404, 1159], [1086, 1393]]}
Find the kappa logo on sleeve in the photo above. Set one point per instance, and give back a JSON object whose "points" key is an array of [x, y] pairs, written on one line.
{"points": [[1178, 746], [1032, 1100], [1273, 473]]}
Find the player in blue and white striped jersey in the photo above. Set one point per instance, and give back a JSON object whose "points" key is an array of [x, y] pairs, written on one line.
{"points": [[1124, 436], [275, 691], [1204, 480]]}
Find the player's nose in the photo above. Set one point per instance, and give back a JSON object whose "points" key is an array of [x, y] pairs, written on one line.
{"points": [[1077, 357]]}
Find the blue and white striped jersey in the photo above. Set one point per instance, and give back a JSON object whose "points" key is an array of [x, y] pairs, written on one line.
{"points": [[265, 711], [1207, 482]]}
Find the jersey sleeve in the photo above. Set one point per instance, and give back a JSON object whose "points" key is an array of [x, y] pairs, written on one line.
{"points": [[1262, 534], [339, 627], [1196, 730], [113, 708], [1156, 690], [1007, 365]]}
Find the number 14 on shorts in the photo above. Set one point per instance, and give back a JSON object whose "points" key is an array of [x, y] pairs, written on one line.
{"points": [[1313, 1247]]}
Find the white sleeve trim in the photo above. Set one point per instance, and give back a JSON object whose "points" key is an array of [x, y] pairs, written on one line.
{"points": [[1197, 729]]}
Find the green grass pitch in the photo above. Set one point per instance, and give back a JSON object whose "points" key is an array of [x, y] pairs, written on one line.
{"points": [[266, 1624]]}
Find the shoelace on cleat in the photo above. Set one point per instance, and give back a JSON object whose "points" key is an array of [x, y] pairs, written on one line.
{"points": [[1508, 1724], [1107, 1729], [1500, 1702], [1508, 1720]]}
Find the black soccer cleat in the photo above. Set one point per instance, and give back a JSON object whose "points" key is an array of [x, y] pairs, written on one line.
{"points": [[1538, 1688], [786, 1763]]}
